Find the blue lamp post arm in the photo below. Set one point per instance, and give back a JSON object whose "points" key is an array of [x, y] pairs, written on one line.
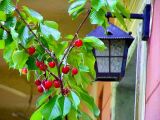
{"points": [[145, 17]]}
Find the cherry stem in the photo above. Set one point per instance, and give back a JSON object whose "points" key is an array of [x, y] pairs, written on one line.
{"points": [[46, 49], [37, 38]]}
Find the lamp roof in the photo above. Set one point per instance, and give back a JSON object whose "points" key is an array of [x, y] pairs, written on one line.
{"points": [[113, 33]]}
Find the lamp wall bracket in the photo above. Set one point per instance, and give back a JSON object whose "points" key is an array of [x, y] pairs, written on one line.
{"points": [[145, 17]]}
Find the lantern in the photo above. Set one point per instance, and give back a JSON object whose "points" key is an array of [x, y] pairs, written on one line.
{"points": [[110, 64]]}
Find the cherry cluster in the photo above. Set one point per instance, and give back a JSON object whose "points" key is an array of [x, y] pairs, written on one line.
{"points": [[43, 85]]}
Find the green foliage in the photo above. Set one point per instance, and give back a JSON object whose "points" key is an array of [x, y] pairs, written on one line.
{"points": [[2, 44], [2, 16], [33, 15], [48, 32], [42, 99], [19, 58], [99, 10], [7, 6], [21, 29], [76, 8], [94, 42]]}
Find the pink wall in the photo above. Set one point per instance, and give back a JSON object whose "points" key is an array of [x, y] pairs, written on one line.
{"points": [[153, 68]]}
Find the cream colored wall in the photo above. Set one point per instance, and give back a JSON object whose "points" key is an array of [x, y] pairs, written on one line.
{"points": [[135, 6]]}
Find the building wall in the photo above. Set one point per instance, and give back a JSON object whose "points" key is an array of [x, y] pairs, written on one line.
{"points": [[128, 90], [153, 67]]}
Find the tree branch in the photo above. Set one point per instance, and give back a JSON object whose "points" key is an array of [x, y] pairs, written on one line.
{"points": [[46, 49], [37, 38], [1, 26], [75, 35]]}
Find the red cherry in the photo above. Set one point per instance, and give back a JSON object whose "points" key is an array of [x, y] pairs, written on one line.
{"points": [[48, 84], [38, 63], [40, 89], [37, 82], [65, 91], [31, 50], [43, 67], [65, 69], [56, 83], [43, 82], [74, 71], [78, 43], [52, 64], [24, 71]]}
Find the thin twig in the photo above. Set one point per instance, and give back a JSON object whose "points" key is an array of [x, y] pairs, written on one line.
{"points": [[36, 58], [46, 49], [1, 26], [37, 38], [75, 35]]}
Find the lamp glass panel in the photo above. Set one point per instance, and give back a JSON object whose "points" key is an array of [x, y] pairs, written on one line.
{"points": [[117, 47], [103, 64], [105, 52], [116, 64]]}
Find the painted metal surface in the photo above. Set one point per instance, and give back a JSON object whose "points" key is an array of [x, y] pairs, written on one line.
{"points": [[145, 17], [115, 34], [153, 68]]}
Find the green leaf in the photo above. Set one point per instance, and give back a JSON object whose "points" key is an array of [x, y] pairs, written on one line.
{"points": [[97, 17], [120, 18], [62, 45], [8, 51], [37, 115], [76, 8], [31, 63], [94, 42], [122, 9], [97, 4], [41, 100], [83, 68], [70, 37], [84, 116], [24, 36], [56, 110], [33, 14], [76, 100], [7, 6], [72, 115], [14, 35], [65, 105], [10, 22], [2, 44], [51, 24], [2, 16], [88, 100], [19, 58], [48, 31]]}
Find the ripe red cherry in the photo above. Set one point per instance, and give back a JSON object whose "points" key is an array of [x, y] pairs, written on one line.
{"points": [[65, 69], [74, 71], [43, 67], [65, 91], [31, 50], [24, 71], [78, 43], [38, 63], [56, 83], [48, 84], [52, 64], [37, 82], [43, 82], [40, 89]]}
